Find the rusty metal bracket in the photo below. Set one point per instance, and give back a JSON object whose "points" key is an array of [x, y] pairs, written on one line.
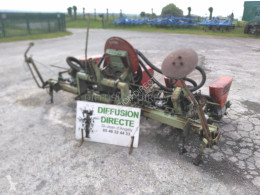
{"points": [[200, 113], [198, 159], [131, 145], [82, 138]]}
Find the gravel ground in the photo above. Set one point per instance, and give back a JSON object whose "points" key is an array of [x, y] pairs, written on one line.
{"points": [[38, 149]]}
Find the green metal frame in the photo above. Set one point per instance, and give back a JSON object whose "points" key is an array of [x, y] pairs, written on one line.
{"points": [[119, 62]]}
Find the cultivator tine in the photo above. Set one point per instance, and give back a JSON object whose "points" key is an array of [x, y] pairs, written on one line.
{"points": [[187, 126], [200, 113], [198, 159], [207, 140], [215, 140]]}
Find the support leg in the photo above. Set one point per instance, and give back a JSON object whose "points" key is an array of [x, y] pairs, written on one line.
{"points": [[82, 138], [183, 149], [184, 135], [51, 93], [87, 130], [131, 145], [198, 159]]}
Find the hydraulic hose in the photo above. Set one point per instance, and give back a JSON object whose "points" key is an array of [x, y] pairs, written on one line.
{"points": [[170, 89], [151, 76], [74, 63], [159, 71], [102, 59], [196, 87], [148, 62], [139, 75], [204, 77]]}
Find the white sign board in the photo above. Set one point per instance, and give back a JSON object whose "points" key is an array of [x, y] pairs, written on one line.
{"points": [[106, 123]]}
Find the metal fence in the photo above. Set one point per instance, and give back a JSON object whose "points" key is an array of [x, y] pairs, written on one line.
{"points": [[20, 24]]}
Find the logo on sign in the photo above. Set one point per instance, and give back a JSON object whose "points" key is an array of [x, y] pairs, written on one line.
{"points": [[106, 123]]}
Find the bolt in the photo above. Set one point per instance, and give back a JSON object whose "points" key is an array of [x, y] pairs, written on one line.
{"points": [[179, 57], [173, 63], [181, 64]]}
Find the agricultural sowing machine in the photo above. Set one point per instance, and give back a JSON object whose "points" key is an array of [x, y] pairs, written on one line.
{"points": [[124, 76], [252, 16]]}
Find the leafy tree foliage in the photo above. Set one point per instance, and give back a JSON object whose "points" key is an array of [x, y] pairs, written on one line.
{"points": [[210, 12], [142, 14], [147, 15], [189, 10], [75, 11], [231, 16], [69, 11], [171, 10]]}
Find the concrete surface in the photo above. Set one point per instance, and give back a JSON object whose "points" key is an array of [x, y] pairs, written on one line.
{"points": [[39, 153]]}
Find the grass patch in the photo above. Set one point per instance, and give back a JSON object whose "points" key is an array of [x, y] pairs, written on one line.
{"points": [[94, 22], [83, 23], [35, 37], [196, 30]]}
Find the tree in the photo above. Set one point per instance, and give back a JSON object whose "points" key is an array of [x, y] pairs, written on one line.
{"points": [[210, 12], [150, 16], [75, 11], [189, 10], [69, 11], [142, 14], [153, 15], [231, 16], [102, 16], [171, 10]]}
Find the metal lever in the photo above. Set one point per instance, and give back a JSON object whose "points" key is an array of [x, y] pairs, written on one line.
{"points": [[33, 68]]}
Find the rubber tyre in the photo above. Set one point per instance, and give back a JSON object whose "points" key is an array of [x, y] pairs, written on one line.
{"points": [[246, 28]]}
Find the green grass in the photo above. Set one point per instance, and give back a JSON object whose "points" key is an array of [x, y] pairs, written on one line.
{"points": [[17, 31], [97, 23], [237, 32], [94, 23], [34, 37], [196, 30], [83, 24]]}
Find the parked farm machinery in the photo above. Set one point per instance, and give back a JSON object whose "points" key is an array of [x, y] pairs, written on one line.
{"points": [[216, 24], [171, 21], [252, 16], [124, 76]]}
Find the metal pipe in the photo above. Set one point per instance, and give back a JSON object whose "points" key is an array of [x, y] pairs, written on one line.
{"points": [[124, 89], [176, 121], [64, 86], [86, 45]]}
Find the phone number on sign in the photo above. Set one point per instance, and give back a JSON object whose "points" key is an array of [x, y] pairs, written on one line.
{"points": [[116, 132]]}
